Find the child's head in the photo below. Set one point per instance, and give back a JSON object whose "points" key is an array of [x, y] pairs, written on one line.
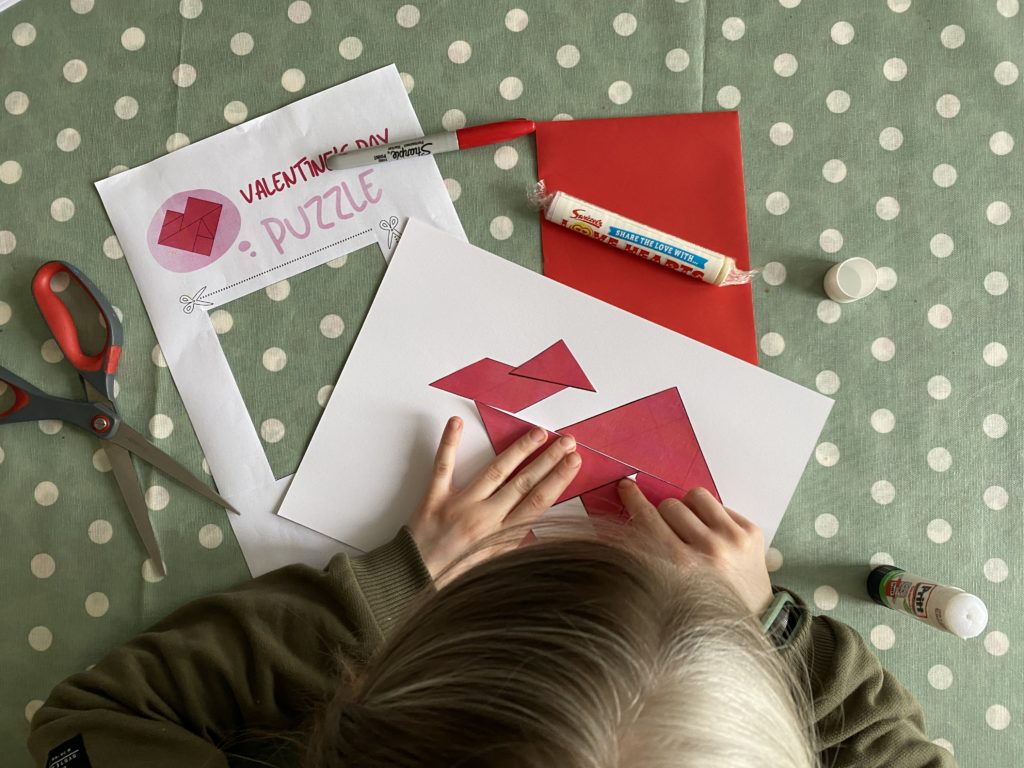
{"points": [[571, 654]]}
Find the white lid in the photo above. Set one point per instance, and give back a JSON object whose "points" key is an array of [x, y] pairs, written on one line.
{"points": [[965, 615], [851, 280]]}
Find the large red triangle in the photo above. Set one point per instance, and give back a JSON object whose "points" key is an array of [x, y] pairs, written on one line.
{"points": [[653, 434], [488, 381], [557, 365], [503, 429]]}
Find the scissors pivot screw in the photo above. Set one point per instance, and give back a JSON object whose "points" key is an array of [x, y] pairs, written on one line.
{"points": [[100, 423]]}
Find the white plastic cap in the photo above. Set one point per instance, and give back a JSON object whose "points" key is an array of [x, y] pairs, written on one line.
{"points": [[851, 280], [966, 615]]}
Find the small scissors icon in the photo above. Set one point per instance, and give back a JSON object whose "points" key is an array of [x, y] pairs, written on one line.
{"points": [[391, 227], [191, 302]]}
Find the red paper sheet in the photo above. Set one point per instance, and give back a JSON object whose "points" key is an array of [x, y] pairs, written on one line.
{"points": [[682, 174]]}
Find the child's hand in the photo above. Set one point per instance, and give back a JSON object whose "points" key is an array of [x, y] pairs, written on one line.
{"points": [[452, 520], [699, 531]]}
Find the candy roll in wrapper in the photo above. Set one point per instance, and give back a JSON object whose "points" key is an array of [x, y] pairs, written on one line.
{"points": [[638, 239]]}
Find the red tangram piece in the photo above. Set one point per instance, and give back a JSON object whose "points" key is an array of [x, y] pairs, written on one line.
{"points": [[192, 230], [557, 365], [596, 470], [605, 502], [657, 490], [651, 437], [488, 381], [653, 434]]}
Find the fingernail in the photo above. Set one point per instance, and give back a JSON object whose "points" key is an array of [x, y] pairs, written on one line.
{"points": [[456, 422], [537, 435], [573, 459], [567, 442], [625, 483]]}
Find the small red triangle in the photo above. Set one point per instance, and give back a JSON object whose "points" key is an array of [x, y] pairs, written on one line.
{"points": [[557, 365], [605, 502]]}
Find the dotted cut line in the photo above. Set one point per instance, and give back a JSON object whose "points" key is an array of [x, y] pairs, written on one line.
{"points": [[291, 261]]}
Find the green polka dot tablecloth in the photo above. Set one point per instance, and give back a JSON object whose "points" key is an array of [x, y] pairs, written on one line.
{"points": [[889, 129]]}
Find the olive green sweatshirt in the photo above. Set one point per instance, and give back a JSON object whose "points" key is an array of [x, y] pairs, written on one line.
{"points": [[195, 689]]}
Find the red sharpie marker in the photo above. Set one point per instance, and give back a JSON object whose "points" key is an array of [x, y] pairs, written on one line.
{"points": [[435, 143]]}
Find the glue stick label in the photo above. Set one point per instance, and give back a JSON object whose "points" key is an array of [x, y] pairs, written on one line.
{"points": [[913, 595], [942, 606], [637, 239]]}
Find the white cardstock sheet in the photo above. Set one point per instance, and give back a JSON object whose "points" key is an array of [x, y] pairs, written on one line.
{"points": [[234, 213], [445, 304]]}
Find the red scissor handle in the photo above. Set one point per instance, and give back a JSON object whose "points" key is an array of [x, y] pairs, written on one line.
{"points": [[21, 396], [98, 369], [32, 404]]}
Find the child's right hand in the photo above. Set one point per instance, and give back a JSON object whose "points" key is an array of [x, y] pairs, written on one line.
{"points": [[698, 530]]}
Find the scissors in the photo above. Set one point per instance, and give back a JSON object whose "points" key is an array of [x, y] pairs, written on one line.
{"points": [[97, 414]]}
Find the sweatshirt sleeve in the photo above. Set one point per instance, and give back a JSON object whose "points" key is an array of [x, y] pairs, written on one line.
{"points": [[254, 659], [864, 718]]}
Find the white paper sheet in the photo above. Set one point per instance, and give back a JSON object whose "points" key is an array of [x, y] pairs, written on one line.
{"points": [[445, 304], [241, 210]]}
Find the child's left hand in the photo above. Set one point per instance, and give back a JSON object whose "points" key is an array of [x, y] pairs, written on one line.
{"points": [[452, 520]]}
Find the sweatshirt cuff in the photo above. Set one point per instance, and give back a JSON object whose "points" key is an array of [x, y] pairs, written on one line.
{"points": [[813, 642], [390, 577]]}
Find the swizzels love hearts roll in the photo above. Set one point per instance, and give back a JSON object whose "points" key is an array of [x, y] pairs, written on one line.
{"points": [[638, 239]]}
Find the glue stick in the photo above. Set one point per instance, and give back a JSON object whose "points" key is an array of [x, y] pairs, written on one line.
{"points": [[947, 608], [631, 236]]}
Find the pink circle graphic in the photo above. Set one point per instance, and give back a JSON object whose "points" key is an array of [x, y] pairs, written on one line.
{"points": [[193, 229]]}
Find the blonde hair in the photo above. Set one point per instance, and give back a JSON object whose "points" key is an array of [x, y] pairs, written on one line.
{"points": [[575, 654]]}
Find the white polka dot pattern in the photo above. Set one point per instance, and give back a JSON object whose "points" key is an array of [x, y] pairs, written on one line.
{"points": [[100, 531], [97, 604], [883, 637], [272, 430], [242, 44], [887, 131], [350, 48], [40, 638], [211, 536]]}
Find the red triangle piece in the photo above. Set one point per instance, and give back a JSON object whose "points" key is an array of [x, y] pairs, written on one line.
{"points": [[172, 223], [488, 381], [605, 502], [657, 490], [557, 365], [503, 429], [653, 434]]}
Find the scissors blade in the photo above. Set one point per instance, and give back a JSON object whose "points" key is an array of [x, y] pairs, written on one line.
{"points": [[128, 482], [128, 438]]}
